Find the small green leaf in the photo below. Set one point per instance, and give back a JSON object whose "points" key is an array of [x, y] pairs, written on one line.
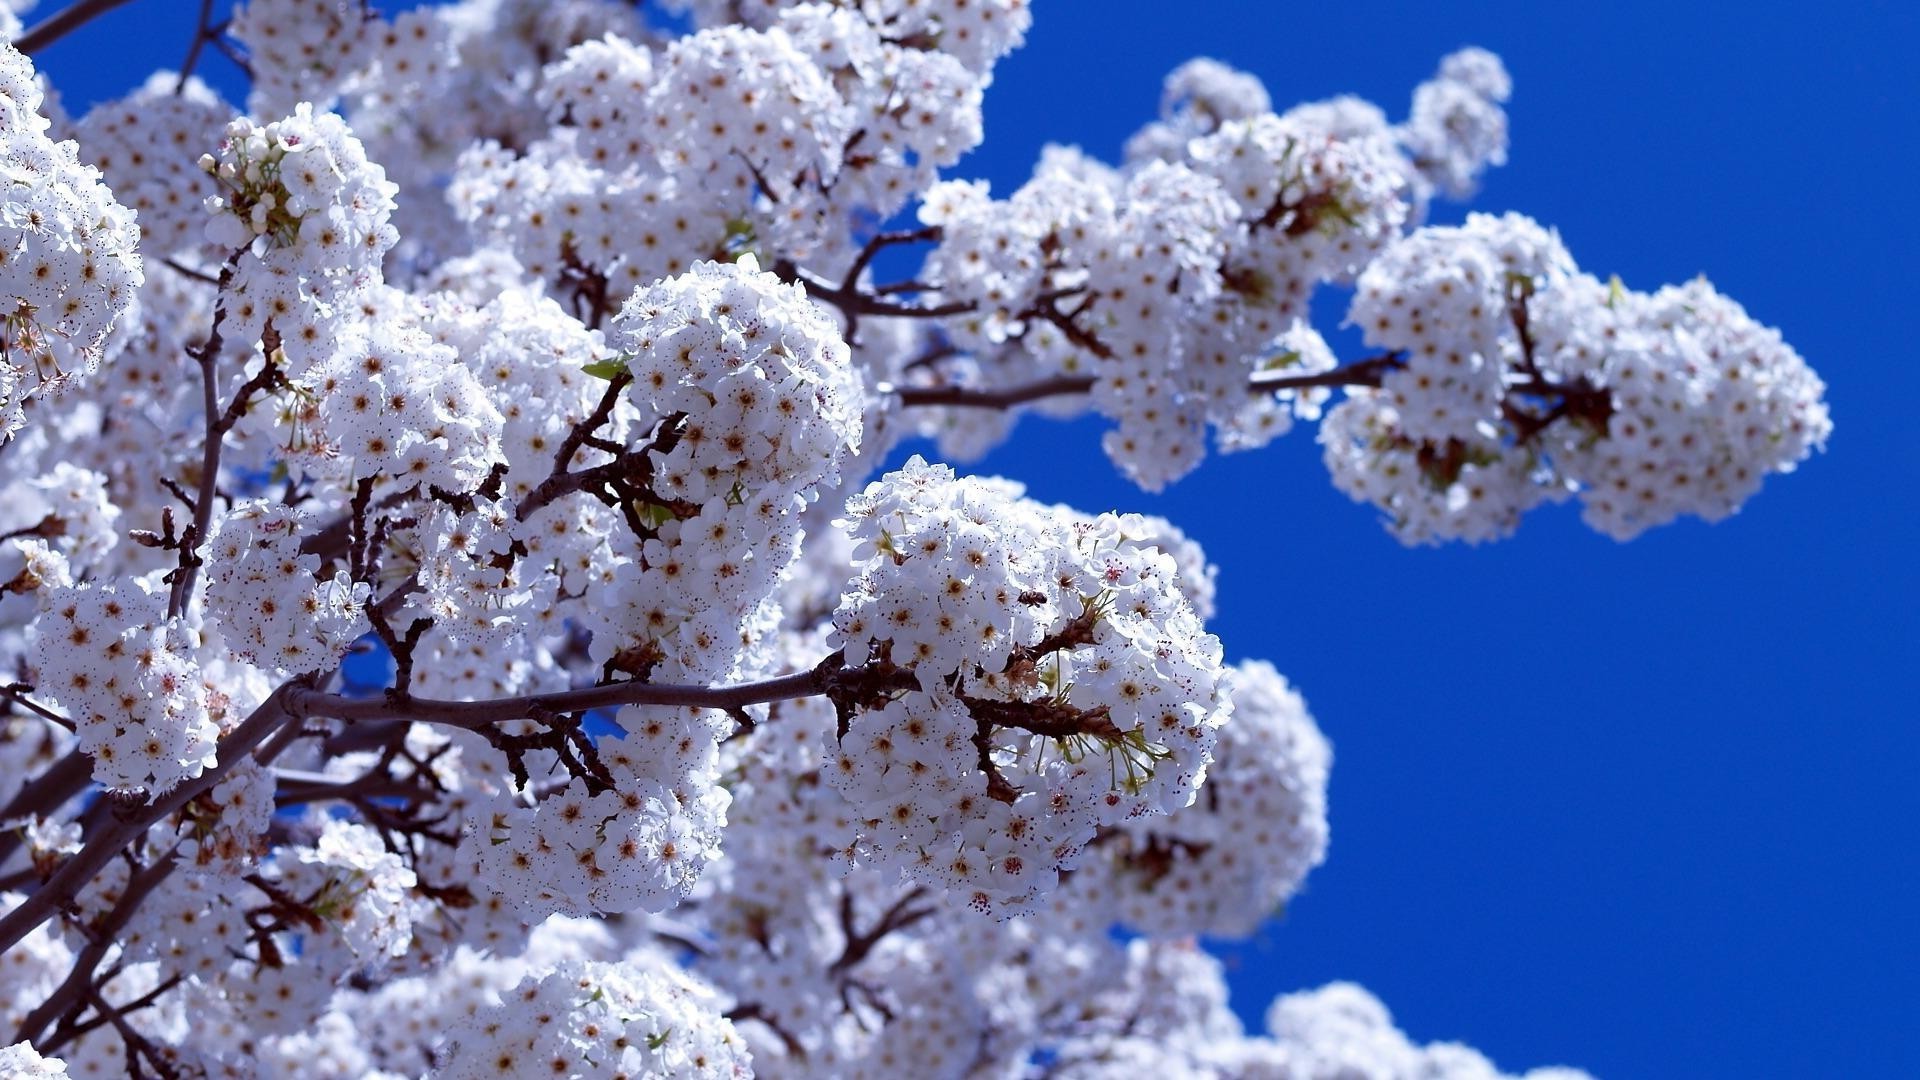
{"points": [[607, 369]]}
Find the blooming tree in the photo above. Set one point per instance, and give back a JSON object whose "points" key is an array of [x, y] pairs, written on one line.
{"points": [[702, 749]]}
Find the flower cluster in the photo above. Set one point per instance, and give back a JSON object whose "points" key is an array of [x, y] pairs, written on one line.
{"points": [[1174, 280], [127, 676], [595, 1019], [1458, 128], [302, 50], [749, 404], [1443, 298], [22, 1062], [147, 146], [760, 376], [68, 268], [1225, 863], [1059, 683], [765, 134], [303, 215], [271, 610], [1706, 402], [390, 400], [1519, 380]]}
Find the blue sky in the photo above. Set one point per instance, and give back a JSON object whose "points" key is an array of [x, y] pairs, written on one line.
{"points": [[1642, 808]]}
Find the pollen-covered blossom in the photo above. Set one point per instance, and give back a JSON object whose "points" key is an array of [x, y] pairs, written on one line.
{"points": [[748, 405], [1116, 245], [127, 676], [1060, 683], [743, 405], [1518, 380], [596, 1019], [147, 145], [1441, 297], [304, 215], [272, 610], [760, 375], [390, 400], [1458, 128], [73, 512], [362, 890], [1225, 863], [1472, 490], [302, 50], [68, 268], [1706, 402], [1170, 282]]}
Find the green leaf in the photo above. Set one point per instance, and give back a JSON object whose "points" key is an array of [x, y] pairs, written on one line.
{"points": [[607, 369]]}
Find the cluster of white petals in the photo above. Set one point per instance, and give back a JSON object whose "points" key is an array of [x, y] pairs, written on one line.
{"points": [[146, 145], [595, 1019], [127, 676], [22, 1062], [302, 216], [1061, 683], [68, 265], [273, 612], [1518, 379], [301, 50], [1227, 862]]}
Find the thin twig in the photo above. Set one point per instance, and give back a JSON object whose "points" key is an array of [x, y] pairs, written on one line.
{"points": [[201, 32]]}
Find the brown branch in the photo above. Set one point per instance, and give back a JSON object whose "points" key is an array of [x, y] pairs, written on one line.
{"points": [[71, 993], [854, 303], [755, 1011], [62, 23], [204, 30], [479, 715], [44, 794], [218, 421], [860, 944], [1366, 372], [1000, 397], [17, 694], [879, 242], [127, 821]]}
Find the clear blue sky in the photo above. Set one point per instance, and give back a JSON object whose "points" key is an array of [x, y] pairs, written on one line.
{"points": [[1646, 809]]}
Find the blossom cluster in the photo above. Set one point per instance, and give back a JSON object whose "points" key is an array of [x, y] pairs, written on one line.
{"points": [[768, 134], [146, 145], [128, 677], [68, 264], [1227, 862], [1060, 683], [273, 612], [596, 1019], [301, 50], [303, 217], [1520, 380]]}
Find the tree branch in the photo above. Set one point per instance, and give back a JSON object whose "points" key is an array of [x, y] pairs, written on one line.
{"points": [[126, 821], [1366, 372], [475, 715], [62, 23]]}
